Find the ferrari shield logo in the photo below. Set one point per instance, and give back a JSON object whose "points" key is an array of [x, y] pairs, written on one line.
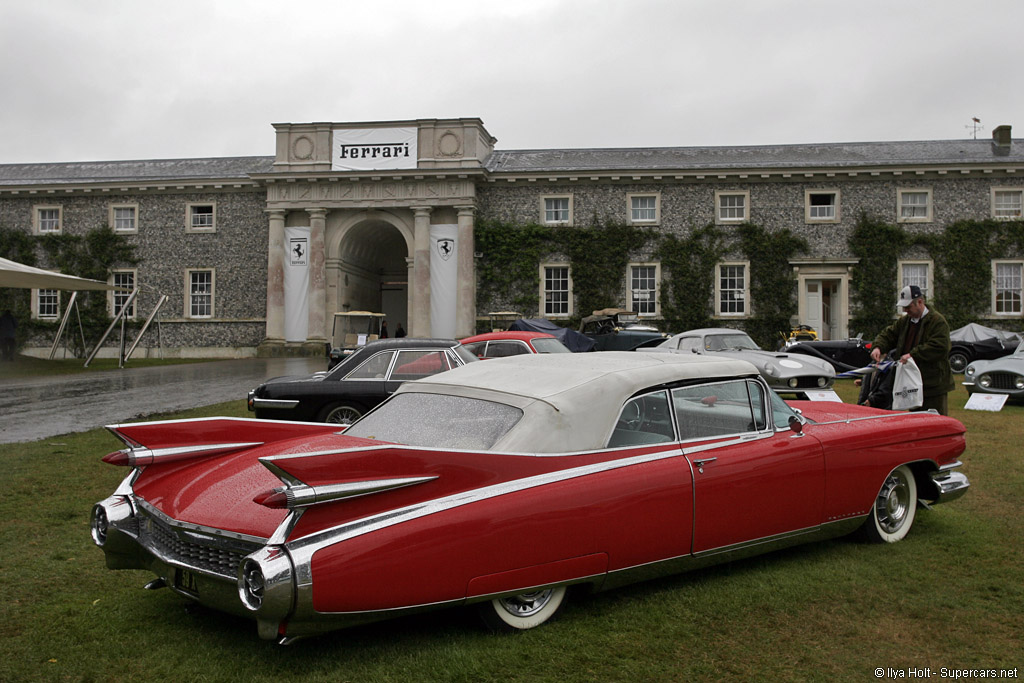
{"points": [[445, 248], [298, 249]]}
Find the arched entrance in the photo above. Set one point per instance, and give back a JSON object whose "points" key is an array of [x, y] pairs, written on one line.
{"points": [[368, 266]]}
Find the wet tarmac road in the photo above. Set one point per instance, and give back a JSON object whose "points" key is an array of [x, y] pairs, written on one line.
{"points": [[43, 407]]}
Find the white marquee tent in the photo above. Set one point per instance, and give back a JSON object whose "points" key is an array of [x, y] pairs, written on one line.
{"points": [[20, 276]]}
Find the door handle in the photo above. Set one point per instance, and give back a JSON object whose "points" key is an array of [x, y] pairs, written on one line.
{"points": [[699, 464]]}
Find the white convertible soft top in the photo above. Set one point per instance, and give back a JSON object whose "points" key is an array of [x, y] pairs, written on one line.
{"points": [[571, 401]]}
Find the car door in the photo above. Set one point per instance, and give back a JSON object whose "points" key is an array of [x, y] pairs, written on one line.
{"points": [[368, 383], [752, 481]]}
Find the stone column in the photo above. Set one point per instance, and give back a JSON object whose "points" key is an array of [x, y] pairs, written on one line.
{"points": [[317, 333], [275, 279], [419, 312], [465, 296]]}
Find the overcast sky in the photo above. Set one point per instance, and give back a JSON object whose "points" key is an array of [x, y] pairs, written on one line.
{"points": [[131, 79]]}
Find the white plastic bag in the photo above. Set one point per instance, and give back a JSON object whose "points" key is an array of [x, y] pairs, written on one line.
{"points": [[907, 388]]}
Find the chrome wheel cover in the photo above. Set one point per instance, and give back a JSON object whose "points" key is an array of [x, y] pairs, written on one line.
{"points": [[526, 604], [958, 362], [343, 415], [893, 504]]}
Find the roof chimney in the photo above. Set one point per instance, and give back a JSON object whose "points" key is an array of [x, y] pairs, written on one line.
{"points": [[1001, 140]]}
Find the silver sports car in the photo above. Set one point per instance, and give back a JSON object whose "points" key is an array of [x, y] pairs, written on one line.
{"points": [[1000, 376], [786, 373]]}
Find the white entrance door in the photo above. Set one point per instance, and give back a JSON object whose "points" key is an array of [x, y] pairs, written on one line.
{"points": [[822, 304], [812, 297]]}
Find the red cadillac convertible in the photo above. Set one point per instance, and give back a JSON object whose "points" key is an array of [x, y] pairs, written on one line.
{"points": [[504, 484]]}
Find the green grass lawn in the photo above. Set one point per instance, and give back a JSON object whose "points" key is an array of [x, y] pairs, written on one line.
{"points": [[950, 595]]}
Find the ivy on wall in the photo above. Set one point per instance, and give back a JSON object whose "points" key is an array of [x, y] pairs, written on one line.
{"points": [[598, 255], [688, 266], [92, 255], [963, 256], [17, 246], [509, 271], [772, 290], [878, 246], [962, 253]]}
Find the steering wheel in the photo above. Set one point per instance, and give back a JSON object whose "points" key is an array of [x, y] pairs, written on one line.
{"points": [[633, 415]]}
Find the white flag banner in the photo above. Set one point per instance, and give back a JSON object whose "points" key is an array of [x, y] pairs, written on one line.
{"points": [[296, 284], [444, 279], [370, 149]]}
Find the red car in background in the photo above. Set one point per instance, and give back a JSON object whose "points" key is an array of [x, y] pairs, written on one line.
{"points": [[511, 343]]}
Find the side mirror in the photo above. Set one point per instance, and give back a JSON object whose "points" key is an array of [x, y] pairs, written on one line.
{"points": [[796, 426]]}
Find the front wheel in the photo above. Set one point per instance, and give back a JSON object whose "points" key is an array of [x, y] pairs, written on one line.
{"points": [[523, 611], [894, 510], [341, 413], [958, 361]]}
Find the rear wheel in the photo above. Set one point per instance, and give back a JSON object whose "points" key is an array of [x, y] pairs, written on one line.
{"points": [[894, 510], [341, 413], [523, 611]]}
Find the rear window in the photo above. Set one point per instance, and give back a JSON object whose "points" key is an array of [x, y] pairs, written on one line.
{"points": [[438, 421]]}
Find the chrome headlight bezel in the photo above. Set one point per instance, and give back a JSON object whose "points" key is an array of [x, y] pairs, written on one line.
{"points": [[985, 381]]}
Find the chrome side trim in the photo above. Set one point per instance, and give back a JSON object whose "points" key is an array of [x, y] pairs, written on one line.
{"points": [[684, 563], [273, 403], [849, 420]]}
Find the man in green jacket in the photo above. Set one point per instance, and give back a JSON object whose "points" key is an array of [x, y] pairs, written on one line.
{"points": [[921, 334]]}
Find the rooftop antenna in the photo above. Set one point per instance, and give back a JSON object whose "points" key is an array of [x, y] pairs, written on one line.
{"points": [[974, 126]]}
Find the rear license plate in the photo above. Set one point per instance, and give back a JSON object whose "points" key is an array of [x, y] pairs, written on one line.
{"points": [[185, 580]]}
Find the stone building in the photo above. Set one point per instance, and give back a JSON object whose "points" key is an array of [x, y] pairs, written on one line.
{"points": [[256, 254]]}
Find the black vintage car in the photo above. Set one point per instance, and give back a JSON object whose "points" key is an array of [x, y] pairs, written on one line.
{"points": [[359, 383], [843, 354], [616, 329]]}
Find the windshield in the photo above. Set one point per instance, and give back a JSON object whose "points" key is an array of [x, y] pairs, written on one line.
{"points": [[728, 342], [438, 421], [781, 412], [549, 345]]}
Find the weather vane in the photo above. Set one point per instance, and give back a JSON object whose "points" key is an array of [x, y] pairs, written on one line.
{"points": [[974, 126]]}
